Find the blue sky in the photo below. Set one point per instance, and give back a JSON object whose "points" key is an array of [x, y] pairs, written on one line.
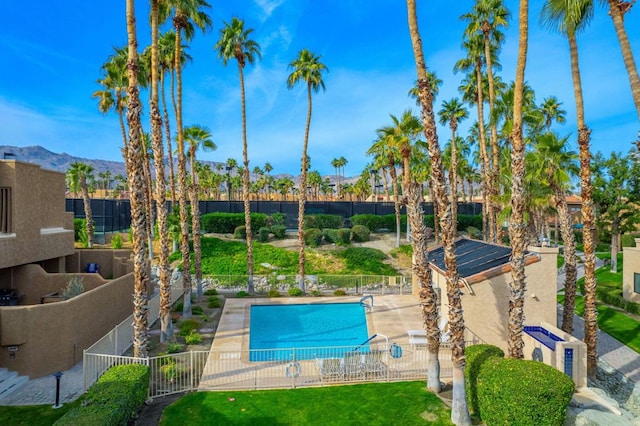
{"points": [[52, 53]]}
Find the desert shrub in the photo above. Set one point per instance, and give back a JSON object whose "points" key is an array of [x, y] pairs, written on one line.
{"points": [[193, 338], [189, 325], [240, 232], [322, 221], [113, 400], [339, 292], [518, 392], [330, 235], [273, 293], [196, 310], [474, 232], [312, 237], [360, 233], [116, 241], [226, 223], [295, 292], [263, 234], [476, 356], [279, 231], [316, 293], [75, 287], [174, 347], [242, 293], [344, 236], [211, 292]]}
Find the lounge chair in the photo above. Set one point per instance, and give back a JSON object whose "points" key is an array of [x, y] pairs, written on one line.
{"points": [[373, 363], [330, 368], [353, 365]]}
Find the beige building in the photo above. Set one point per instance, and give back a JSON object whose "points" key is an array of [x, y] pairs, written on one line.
{"points": [[631, 273], [37, 260]]}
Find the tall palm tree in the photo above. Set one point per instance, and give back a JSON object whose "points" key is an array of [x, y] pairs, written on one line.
{"points": [[459, 409], [187, 15], [77, 177], [617, 9], [570, 19], [307, 68], [434, 84], [197, 137], [235, 43], [517, 226], [452, 113], [133, 161], [160, 188], [551, 110]]}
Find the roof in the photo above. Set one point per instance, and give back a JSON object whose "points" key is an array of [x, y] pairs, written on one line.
{"points": [[473, 257]]}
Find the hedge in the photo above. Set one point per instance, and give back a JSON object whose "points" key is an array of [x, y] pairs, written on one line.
{"points": [[263, 234], [322, 221], [476, 356], [226, 223], [375, 222], [240, 233], [360, 233], [113, 400], [344, 236], [518, 392], [312, 237], [330, 235]]}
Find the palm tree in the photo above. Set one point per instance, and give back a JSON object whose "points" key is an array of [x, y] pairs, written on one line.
{"points": [[197, 137], [517, 226], [434, 84], [133, 161], [308, 69], [235, 43], [459, 409], [569, 19], [617, 9], [341, 163], [452, 113], [77, 177], [551, 110], [187, 15]]}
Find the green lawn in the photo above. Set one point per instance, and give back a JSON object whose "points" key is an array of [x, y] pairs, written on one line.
{"points": [[33, 415], [404, 403]]}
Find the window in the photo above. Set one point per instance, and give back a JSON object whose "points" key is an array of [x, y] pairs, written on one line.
{"points": [[636, 282], [5, 210]]}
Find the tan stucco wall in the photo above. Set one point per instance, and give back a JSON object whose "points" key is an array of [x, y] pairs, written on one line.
{"points": [[113, 263], [486, 309], [630, 266], [41, 228], [51, 337]]}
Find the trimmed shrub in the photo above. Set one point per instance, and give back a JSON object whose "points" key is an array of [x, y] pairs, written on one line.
{"points": [[476, 356], [467, 220], [242, 293], [113, 400], [211, 292], [213, 302], [279, 231], [330, 235], [371, 221], [344, 236], [189, 325], [312, 237], [263, 234], [226, 223], [196, 310], [360, 233], [339, 292], [240, 232], [316, 293], [322, 221], [519, 392], [273, 293], [295, 292]]}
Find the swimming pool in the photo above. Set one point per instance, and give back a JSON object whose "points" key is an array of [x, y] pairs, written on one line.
{"points": [[276, 329]]}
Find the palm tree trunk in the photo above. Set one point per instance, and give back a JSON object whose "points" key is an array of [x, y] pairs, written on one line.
{"points": [[569, 261], [627, 54], [302, 193], [517, 226], [148, 195], [172, 179], [136, 191], [488, 225], [86, 200], [245, 187], [495, 153], [182, 187], [453, 181], [459, 409], [588, 221], [615, 239], [396, 201], [195, 224]]}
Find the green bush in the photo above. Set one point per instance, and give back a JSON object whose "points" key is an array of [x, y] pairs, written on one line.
{"points": [[279, 231], [330, 235], [189, 325], [226, 223], [213, 302], [476, 356], [196, 310], [628, 240], [316, 293], [276, 219], [116, 242], [474, 232], [344, 236], [322, 221], [519, 392], [263, 234], [178, 307], [371, 221], [174, 347], [211, 292], [240, 233], [79, 226], [242, 293], [113, 400], [339, 292], [295, 292], [273, 293], [193, 338], [360, 233], [467, 220], [312, 237]]}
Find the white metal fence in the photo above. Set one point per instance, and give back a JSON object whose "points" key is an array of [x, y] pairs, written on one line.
{"points": [[275, 368]]}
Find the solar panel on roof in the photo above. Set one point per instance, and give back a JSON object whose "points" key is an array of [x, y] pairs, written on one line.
{"points": [[473, 257]]}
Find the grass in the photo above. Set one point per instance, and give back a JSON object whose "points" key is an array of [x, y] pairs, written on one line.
{"points": [[33, 415], [404, 403], [230, 258]]}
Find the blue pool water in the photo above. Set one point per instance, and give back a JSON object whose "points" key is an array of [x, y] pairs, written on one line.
{"points": [[274, 328]]}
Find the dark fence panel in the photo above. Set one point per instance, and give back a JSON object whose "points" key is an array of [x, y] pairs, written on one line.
{"points": [[115, 215]]}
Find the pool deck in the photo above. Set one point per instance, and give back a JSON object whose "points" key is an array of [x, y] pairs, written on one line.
{"points": [[392, 316]]}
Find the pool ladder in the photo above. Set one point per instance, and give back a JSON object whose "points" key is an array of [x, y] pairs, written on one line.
{"points": [[367, 306]]}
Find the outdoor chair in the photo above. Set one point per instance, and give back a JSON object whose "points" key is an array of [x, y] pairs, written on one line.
{"points": [[373, 364], [330, 369], [353, 365], [92, 268]]}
